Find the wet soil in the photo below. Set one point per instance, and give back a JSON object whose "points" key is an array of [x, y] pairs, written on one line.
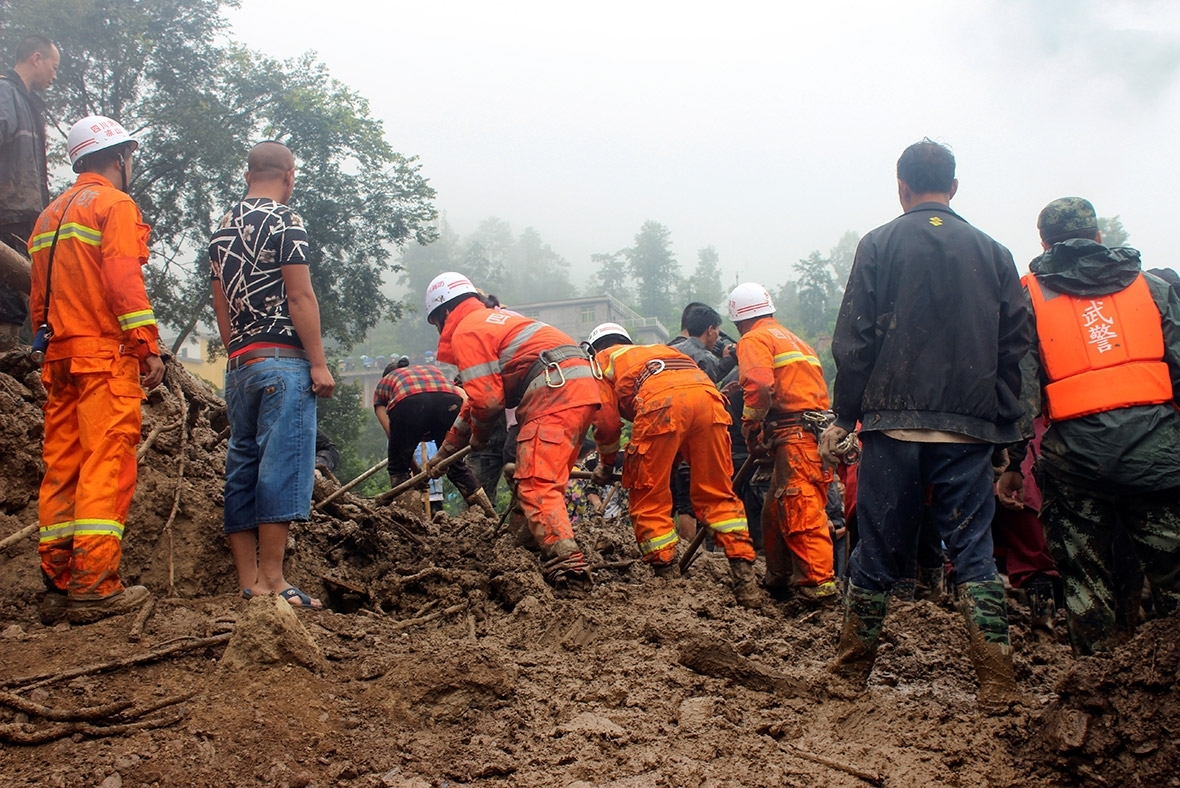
{"points": [[445, 660]]}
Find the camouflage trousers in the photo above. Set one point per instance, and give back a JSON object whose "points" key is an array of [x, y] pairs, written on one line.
{"points": [[1080, 530]]}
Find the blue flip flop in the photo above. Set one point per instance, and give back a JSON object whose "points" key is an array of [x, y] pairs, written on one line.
{"points": [[304, 600]]}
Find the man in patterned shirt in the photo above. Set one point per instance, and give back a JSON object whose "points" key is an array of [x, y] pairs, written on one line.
{"points": [[423, 404], [269, 320]]}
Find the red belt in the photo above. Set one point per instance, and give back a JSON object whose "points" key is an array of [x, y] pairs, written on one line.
{"points": [[263, 353]]}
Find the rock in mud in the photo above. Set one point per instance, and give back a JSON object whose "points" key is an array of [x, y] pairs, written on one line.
{"points": [[269, 632]]}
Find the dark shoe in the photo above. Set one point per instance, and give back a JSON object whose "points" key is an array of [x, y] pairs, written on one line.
{"points": [[53, 607], [1041, 603], [931, 583], [905, 589], [864, 616], [822, 595], [87, 611], [299, 600], [745, 585]]}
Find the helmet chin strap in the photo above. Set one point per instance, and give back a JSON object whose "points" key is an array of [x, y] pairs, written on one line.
{"points": [[123, 171]]}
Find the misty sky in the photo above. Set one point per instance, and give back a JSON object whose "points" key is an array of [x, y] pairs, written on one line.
{"points": [[763, 129]]}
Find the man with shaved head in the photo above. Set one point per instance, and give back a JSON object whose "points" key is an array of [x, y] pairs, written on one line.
{"points": [[269, 322]]}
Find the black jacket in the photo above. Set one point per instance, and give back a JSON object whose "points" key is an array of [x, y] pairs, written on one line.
{"points": [[931, 330], [24, 183]]}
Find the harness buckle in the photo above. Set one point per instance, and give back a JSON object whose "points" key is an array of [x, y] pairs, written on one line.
{"points": [[552, 367], [655, 366]]}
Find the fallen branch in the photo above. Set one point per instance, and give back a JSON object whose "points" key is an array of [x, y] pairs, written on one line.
{"points": [[611, 565], [188, 644], [872, 778], [409, 622], [141, 618], [57, 715], [319, 506], [23, 533], [16, 734], [179, 487], [150, 440]]}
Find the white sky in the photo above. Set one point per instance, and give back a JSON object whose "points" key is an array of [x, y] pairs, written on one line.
{"points": [[763, 129]]}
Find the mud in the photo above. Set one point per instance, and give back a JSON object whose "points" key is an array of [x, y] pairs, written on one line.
{"points": [[446, 661]]}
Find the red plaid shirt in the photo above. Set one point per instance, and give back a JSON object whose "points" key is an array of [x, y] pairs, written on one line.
{"points": [[401, 383]]}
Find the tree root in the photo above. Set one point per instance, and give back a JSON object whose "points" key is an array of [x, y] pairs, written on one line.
{"points": [[409, 622], [186, 644], [141, 618], [19, 734]]}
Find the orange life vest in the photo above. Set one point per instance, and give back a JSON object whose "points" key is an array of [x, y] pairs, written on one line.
{"points": [[1100, 353]]}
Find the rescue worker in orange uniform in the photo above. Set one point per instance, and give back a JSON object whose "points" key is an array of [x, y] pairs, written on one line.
{"points": [[509, 361], [785, 394], [88, 248], [1104, 370], [677, 414]]}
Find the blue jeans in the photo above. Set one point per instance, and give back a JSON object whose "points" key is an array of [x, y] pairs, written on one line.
{"points": [[270, 462], [890, 499]]}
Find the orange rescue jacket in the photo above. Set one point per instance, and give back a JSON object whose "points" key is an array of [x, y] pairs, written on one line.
{"points": [[1100, 353], [779, 372], [494, 351], [98, 305], [624, 369]]}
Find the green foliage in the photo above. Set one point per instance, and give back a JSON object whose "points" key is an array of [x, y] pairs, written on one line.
{"points": [[197, 103], [1113, 232], [610, 275], [816, 288], [705, 283], [655, 270]]}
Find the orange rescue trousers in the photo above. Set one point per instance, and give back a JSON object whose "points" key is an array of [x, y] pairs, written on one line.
{"points": [[92, 426], [794, 516], [687, 424], [546, 449]]}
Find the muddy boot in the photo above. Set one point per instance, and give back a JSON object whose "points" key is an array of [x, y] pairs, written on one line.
{"points": [[53, 607], [563, 564], [904, 589], [480, 498], [982, 605], [668, 571], [822, 595], [931, 584], [864, 616], [87, 611], [745, 587], [1042, 605]]}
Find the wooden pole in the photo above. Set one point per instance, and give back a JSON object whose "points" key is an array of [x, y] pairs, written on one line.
{"points": [[690, 554], [417, 479], [352, 484]]}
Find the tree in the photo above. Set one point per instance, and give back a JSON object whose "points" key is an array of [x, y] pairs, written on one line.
{"points": [[611, 276], [816, 287], [705, 283], [1113, 232], [841, 257], [656, 272], [537, 272], [197, 103]]}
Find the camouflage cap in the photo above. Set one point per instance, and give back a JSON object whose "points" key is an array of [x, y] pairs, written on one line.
{"points": [[1066, 216]]}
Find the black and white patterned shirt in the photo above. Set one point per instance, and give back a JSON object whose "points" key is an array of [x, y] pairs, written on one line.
{"points": [[252, 242]]}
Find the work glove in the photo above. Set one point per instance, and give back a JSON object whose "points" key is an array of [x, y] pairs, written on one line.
{"points": [[602, 474], [829, 442], [752, 432], [432, 465]]}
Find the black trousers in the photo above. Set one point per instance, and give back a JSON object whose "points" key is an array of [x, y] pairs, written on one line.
{"points": [[426, 417]]}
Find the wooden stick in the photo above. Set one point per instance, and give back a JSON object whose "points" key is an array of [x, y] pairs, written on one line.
{"points": [[57, 715], [141, 618], [409, 622], [690, 555], [176, 497], [351, 484], [588, 475], [188, 644], [418, 478], [27, 531], [152, 436], [871, 778]]}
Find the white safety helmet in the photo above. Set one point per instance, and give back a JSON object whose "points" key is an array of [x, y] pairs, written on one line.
{"points": [[749, 300], [444, 287], [95, 133], [606, 330]]}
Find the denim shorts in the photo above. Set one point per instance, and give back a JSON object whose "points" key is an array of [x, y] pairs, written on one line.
{"points": [[270, 462]]}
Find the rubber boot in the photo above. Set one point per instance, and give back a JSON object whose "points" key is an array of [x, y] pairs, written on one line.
{"points": [[1041, 603], [668, 571], [864, 616], [480, 498], [931, 583], [562, 563], [745, 586], [982, 606]]}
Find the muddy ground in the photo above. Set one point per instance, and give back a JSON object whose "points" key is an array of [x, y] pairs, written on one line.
{"points": [[446, 661]]}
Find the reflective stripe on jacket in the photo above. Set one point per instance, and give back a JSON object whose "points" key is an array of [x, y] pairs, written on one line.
{"points": [[1100, 353], [98, 303], [494, 350], [778, 371], [622, 365]]}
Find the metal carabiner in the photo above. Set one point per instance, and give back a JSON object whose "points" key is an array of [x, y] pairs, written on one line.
{"points": [[553, 366], [652, 369], [595, 367]]}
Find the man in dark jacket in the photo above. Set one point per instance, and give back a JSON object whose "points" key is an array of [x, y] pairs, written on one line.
{"points": [[1104, 369], [927, 347], [24, 179]]}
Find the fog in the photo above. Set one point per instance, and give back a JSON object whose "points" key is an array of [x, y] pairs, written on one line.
{"points": [[764, 130]]}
